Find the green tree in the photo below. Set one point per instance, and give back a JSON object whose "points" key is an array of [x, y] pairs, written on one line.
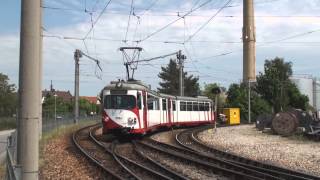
{"points": [[170, 81], [51, 102], [85, 106], [277, 89], [208, 92], [296, 99], [237, 97], [8, 96]]}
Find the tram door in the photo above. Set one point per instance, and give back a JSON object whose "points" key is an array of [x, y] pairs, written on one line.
{"points": [[164, 112], [144, 114], [169, 111]]}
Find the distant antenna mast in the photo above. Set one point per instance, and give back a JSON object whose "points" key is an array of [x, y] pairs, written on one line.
{"points": [[131, 57]]}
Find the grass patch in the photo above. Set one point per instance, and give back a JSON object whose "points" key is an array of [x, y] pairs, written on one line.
{"points": [[60, 132], [63, 130], [7, 123]]}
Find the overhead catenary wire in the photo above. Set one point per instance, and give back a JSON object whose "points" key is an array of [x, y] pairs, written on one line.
{"points": [[172, 22], [294, 36], [258, 42], [176, 42], [88, 56], [140, 16], [149, 7], [95, 5], [207, 22], [154, 58], [174, 14], [93, 59], [95, 22], [128, 24], [264, 43], [195, 4]]}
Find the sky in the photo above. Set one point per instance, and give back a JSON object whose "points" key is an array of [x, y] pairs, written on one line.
{"points": [[289, 29]]}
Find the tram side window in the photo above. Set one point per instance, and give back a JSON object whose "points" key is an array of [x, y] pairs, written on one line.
{"points": [[156, 103], [150, 102], [206, 106], [164, 104], [139, 100], [201, 106], [153, 103], [173, 105], [183, 106], [195, 106], [189, 106]]}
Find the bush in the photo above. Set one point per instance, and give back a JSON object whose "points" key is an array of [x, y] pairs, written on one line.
{"points": [[7, 123]]}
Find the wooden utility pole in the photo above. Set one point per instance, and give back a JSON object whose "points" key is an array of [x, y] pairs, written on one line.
{"points": [[29, 85], [249, 42]]}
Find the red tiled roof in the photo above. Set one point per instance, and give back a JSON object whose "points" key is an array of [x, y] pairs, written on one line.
{"points": [[91, 99], [65, 95]]}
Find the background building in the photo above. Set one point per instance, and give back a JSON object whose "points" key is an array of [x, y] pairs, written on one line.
{"points": [[309, 86]]}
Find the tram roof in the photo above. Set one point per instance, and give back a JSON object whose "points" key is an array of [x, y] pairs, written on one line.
{"points": [[138, 85]]}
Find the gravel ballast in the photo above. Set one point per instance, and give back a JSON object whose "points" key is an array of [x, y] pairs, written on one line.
{"points": [[294, 152], [61, 160]]}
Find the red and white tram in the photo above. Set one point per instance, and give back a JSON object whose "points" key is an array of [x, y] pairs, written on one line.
{"points": [[131, 107]]}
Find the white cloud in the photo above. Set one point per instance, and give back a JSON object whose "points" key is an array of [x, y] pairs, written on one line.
{"points": [[58, 54]]}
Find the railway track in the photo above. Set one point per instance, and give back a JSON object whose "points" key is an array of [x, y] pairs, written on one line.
{"points": [[139, 170], [95, 154], [188, 139], [138, 159], [98, 155], [217, 167], [107, 156]]}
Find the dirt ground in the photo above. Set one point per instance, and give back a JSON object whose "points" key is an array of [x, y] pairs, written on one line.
{"points": [[61, 160]]}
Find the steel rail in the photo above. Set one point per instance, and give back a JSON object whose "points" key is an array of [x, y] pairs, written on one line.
{"points": [[119, 157], [245, 162], [122, 165], [90, 157], [109, 151], [190, 145], [168, 171], [155, 174], [223, 162], [192, 157]]}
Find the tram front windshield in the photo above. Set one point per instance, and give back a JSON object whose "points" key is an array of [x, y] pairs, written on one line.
{"points": [[119, 102]]}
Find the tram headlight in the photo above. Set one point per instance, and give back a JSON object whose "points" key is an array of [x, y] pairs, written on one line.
{"points": [[131, 121], [105, 117]]}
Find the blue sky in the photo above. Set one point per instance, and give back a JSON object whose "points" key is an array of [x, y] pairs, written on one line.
{"points": [[276, 20]]}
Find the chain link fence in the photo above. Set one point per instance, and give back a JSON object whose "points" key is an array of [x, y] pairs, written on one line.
{"points": [[51, 120]]}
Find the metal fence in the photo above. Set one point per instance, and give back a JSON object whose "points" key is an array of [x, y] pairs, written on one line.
{"points": [[13, 169], [50, 122]]}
